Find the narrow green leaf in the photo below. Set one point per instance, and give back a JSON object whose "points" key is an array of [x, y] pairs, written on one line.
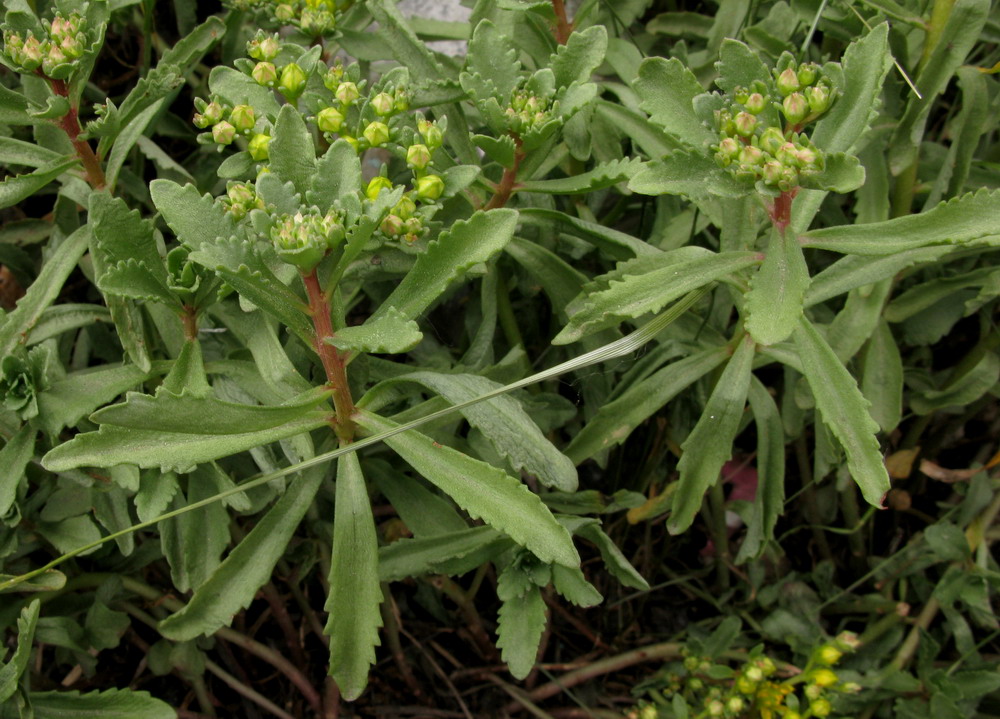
{"points": [[710, 443], [505, 423], [619, 245], [11, 671], [355, 593], [448, 258], [858, 319], [19, 187], [769, 501], [14, 108], [338, 173], [774, 302], [70, 399], [194, 218], [574, 587], [14, 457], [50, 580], [615, 420], [499, 149], [30, 154], [673, 275], [248, 567], [882, 378], [66, 318], [110, 704], [957, 221], [390, 333], [614, 560], [292, 154], [604, 175], [425, 512], [16, 325], [126, 140], [964, 391], [854, 271], [577, 60], [635, 127], [193, 542], [483, 491], [668, 89], [431, 555], [408, 49], [521, 622], [692, 174], [927, 294], [844, 410]]}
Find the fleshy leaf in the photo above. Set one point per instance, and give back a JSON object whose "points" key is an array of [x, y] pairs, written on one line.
{"points": [[389, 334], [432, 555], [11, 671], [693, 174], [19, 187], [519, 629], [580, 56], [194, 218], [668, 89], [774, 302], [292, 154], [604, 175]]}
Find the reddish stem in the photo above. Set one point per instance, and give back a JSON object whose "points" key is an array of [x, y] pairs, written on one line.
{"points": [[70, 123], [333, 361], [564, 28], [189, 319], [508, 183], [781, 210]]}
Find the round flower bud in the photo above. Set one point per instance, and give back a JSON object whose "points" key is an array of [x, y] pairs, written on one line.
{"points": [[383, 104], [292, 81], [771, 140], [745, 124], [741, 94], [807, 159], [772, 172], [807, 74], [795, 108], [766, 665], [789, 179], [377, 133], [715, 708], [824, 678], [848, 640], [401, 100], [212, 113], [813, 691], [756, 103], [791, 714], [744, 685], [414, 226], [264, 47], [265, 73], [330, 119], [820, 707], [347, 93], [31, 54], [52, 59], [295, 242], [750, 155], [691, 663], [828, 655], [284, 12], [819, 99], [223, 133], [258, 147], [333, 76], [242, 118], [735, 704], [240, 193], [850, 687], [392, 225], [787, 82], [429, 187], [376, 185], [72, 46], [418, 156], [648, 712], [352, 141], [786, 154], [405, 207]]}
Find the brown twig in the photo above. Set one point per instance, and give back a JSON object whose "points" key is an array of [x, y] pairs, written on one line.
{"points": [[564, 28], [70, 123]]}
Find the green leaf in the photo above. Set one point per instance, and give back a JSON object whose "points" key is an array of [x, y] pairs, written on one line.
{"points": [[841, 173], [241, 265], [126, 140], [619, 245], [693, 174], [70, 399], [14, 458], [408, 49], [519, 629], [668, 89], [604, 175], [854, 271], [338, 173], [614, 560], [292, 156], [574, 587], [355, 594], [48, 581], [112, 445], [739, 66], [649, 138], [615, 420], [30, 154], [433, 555], [505, 423], [11, 671], [710, 443], [20, 187], [882, 378], [499, 149], [770, 498], [194, 218], [110, 704], [927, 294], [66, 318], [248, 567], [14, 108], [16, 325], [964, 391], [663, 279], [493, 58], [774, 302], [957, 221], [237, 88], [448, 258], [484, 491], [577, 60], [194, 541], [844, 410], [425, 512], [389, 334]]}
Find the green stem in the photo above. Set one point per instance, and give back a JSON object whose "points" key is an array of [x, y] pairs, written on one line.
{"points": [[240, 688], [716, 514]]}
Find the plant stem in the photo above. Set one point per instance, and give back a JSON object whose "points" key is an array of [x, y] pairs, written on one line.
{"points": [[189, 320], [240, 688], [564, 28], [334, 363], [70, 123], [716, 514], [507, 183]]}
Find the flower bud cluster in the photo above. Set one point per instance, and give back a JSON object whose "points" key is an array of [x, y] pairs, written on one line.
{"points": [[304, 239], [315, 18], [240, 198], [403, 222], [63, 42], [362, 124], [223, 122], [528, 111], [753, 149]]}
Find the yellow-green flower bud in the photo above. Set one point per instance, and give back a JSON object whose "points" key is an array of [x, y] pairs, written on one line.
{"points": [[223, 133], [242, 118], [402, 100], [795, 108], [429, 187], [735, 705], [405, 207], [392, 225], [772, 172], [819, 99], [376, 185], [265, 73], [744, 685], [264, 47], [648, 712], [333, 76], [433, 137], [296, 241], [715, 708], [347, 93], [31, 54], [766, 665], [352, 141], [754, 674], [53, 58], [284, 12], [383, 104], [771, 140], [820, 707], [741, 94], [414, 226], [258, 147], [292, 81], [330, 119], [850, 687], [848, 641], [787, 82], [240, 193], [823, 678], [756, 103], [750, 155], [377, 133], [418, 156], [807, 74], [745, 124], [72, 46]]}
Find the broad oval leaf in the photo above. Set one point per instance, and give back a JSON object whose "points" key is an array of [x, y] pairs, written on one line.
{"points": [[774, 302]]}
